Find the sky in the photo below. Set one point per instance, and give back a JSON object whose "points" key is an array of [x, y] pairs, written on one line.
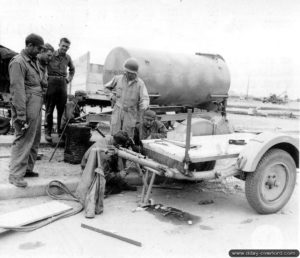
{"points": [[259, 39]]}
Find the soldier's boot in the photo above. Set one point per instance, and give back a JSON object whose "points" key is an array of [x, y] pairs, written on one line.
{"points": [[18, 182], [125, 186], [48, 137], [31, 174]]}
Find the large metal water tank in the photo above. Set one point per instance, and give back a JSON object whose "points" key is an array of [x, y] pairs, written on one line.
{"points": [[176, 79]]}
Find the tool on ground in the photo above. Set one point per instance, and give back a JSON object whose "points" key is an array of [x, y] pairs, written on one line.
{"points": [[173, 213], [110, 234], [168, 187], [237, 142]]}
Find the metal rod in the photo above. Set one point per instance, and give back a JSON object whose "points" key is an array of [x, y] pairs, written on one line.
{"points": [[107, 233], [145, 186], [149, 188], [188, 140], [142, 161], [62, 134], [102, 134]]}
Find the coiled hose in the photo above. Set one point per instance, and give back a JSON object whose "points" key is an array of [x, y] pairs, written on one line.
{"points": [[59, 185]]}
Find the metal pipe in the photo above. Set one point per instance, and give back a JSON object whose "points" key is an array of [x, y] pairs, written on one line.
{"points": [[188, 142], [142, 161], [146, 199], [160, 169]]}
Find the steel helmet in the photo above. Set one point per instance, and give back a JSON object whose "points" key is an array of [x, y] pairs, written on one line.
{"points": [[131, 65]]}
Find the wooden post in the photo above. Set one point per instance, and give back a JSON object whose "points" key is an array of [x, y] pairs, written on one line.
{"points": [[188, 141], [146, 199]]}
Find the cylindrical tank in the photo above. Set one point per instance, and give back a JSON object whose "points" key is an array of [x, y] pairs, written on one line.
{"points": [[176, 79]]}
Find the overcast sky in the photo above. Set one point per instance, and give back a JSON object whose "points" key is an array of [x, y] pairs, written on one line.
{"points": [[259, 39]]}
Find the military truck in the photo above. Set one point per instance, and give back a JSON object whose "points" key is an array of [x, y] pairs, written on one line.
{"points": [[6, 55]]}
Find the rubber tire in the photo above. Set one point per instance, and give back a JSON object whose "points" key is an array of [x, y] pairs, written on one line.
{"points": [[253, 181]]}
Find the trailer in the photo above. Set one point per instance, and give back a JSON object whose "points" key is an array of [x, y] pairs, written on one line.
{"points": [[267, 162]]}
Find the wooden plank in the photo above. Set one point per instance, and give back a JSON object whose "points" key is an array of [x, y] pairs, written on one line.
{"points": [[32, 214], [110, 234]]}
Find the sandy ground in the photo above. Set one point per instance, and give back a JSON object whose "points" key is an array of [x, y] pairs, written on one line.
{"points": [[227, 223]]}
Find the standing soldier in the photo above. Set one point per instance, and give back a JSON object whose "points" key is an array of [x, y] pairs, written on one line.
{"points": [[27, 99], [129, 97], [43, 59], [56, 95]]}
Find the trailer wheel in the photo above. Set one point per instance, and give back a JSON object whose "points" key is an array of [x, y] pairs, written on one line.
{"points": [[270, 187]]}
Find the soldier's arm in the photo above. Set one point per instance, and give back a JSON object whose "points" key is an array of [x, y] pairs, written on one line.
{"points": [[144, 97], [109, 89], [17, 89], [71, 70]]}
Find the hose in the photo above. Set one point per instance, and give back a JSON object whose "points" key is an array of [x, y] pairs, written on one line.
{"points": [[71, 197]]}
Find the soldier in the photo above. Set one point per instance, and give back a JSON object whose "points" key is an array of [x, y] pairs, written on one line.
{"points": [[43, 59], [129, 98], [73, 108], [150, 129], [27, 99], [56, 95], [91, 187]]}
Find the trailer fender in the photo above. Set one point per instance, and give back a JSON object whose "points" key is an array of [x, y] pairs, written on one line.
{"points": [[250, 156]]}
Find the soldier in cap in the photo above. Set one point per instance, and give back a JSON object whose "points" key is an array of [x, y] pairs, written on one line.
{"points": [[27, 99], [150, 129], [129, 97], [73, 108]]}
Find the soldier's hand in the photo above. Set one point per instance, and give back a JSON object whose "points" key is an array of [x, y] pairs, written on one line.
{"points": [[111, 151], [113, 100], [20, 122]]}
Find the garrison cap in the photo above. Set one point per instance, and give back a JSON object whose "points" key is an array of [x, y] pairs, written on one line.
{"points": [[80, 93], [35, 40], [48, 46], [150, 114]]}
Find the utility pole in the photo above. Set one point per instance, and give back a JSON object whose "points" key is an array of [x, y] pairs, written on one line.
{"points": [[247, 89]]}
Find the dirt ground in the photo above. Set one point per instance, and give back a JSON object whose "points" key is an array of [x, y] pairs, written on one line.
{"points": [[225, 222]]}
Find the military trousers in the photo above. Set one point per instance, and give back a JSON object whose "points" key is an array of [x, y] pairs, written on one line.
{"points": [[24, 148], [56, 96], [123, 119]]}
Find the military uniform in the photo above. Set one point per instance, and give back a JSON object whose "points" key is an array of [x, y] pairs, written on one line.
{"points": [[26, 92], [131, 97], [100, 175], [56, 95], [156, 131]]}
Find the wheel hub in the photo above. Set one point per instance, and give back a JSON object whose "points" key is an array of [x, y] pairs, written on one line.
{"points": [[274, 182]]}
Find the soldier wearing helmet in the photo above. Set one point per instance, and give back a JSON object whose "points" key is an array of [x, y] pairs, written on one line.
{"points": [[129, 97]]}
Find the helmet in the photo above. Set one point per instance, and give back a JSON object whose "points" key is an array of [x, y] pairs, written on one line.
{"points": [[131, 65]]}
